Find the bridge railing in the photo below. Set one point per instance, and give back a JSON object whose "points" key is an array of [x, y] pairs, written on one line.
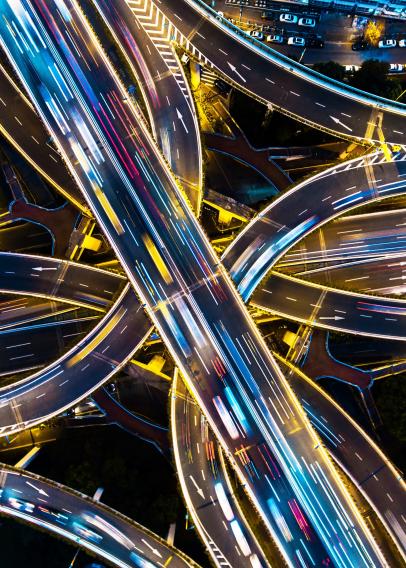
{"points": [[101, 506], [293, 66]]}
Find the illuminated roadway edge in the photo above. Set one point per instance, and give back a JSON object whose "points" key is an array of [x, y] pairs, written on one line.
{"points": [[208, 514], [292, 216], [165, 101], [191, 17], [331, 308], [61, 384], [134, 536], [301, 414], [129, 338]]}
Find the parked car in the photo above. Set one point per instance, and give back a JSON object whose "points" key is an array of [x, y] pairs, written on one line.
{"points": [[351, 68], [223, 87], [396, 68], [298, 41], [308, 22], [184, 59], [256, 34], [387, 43], [274, 38], [288, 18], [402, 43], [360, 45]]}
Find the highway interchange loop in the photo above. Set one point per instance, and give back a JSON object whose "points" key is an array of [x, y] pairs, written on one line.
{"points": [[114, 223]]}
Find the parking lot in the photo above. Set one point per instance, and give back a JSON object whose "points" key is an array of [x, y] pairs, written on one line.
{"points": [[330, 38]]}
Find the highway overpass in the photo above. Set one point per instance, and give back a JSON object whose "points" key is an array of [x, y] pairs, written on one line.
{"points": [[112, 213], [84, 522], [277, 80]]}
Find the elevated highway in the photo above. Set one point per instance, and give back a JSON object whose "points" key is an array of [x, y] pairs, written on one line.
{"points": [[149, 180], [63, 383], [349, 238], [305, 208], [84, 522], [58, 279], [330, 308], [277, 80], [165, 89], [382, 275]]}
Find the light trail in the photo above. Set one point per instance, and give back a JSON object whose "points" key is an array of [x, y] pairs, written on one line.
{"points": [[135, 180]]}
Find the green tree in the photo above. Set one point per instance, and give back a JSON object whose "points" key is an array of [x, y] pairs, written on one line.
{"points": [[331, 69], [372, 77], [390, 396]]}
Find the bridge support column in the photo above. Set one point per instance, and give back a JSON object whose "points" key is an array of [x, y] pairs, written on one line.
{"points": [[29, 456], [98, 493], [225, 217], [82, 238], [171, 534], [195, 70]]}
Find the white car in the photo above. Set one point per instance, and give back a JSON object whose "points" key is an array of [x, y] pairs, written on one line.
{"points": [[308, 22], [402, 43], [274, 38], [288, 18], [298, 41], [255, 34], [352, 68], [396, 68], [387, 43]]}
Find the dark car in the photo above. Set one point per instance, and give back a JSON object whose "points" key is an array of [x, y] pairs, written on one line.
{"points": [[360, 45], [223, 87], [53, 514]]}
